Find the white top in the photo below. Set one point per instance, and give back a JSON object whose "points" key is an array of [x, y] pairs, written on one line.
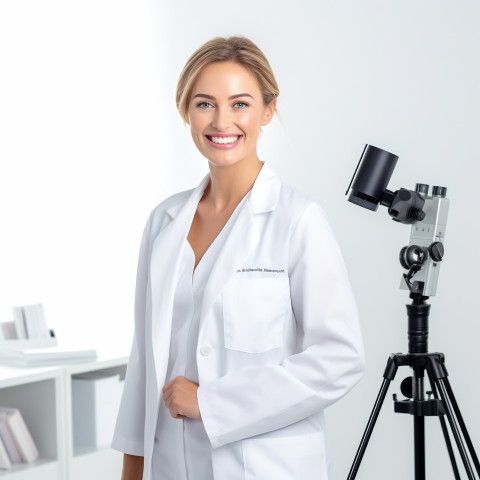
{"points": [[182, 449]]}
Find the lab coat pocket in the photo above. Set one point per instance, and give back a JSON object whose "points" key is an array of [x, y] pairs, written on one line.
{"points": [[298, 457], [254, 313]]}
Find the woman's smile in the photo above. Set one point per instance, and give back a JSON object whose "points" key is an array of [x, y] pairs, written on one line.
{"points": [[223, 140]]}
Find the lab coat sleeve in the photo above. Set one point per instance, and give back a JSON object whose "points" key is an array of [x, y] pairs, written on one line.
{"points": [[259, 399], [129, 430]]}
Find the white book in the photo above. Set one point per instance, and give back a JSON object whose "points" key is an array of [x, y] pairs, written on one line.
{"points": [[19, 320], [35, 321], [8, 439], [8, 330], [42, 329], [23, 439], [27, 357], [16, 344], [30, 321], [5, 463]]}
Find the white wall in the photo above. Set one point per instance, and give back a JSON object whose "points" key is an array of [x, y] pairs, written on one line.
{"points": [[91, 142], [82, 153]]}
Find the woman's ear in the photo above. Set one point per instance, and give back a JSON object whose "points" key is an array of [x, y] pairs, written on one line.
{"points": [[269, 112]]}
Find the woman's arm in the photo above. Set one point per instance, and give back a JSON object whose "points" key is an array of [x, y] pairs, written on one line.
{"points": [[132, 467], [129, 429]]}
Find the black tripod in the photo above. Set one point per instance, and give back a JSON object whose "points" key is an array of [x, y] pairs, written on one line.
{"points": [[442, 403]]}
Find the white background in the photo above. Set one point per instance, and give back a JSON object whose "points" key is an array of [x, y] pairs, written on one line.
{"points": [[90, 142]]}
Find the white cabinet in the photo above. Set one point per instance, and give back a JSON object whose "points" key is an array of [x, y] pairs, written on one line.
{"points": [[44, 397], [89, 462]]}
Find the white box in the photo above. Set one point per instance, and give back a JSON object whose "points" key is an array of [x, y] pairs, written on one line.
{"points": [[95, 403]]}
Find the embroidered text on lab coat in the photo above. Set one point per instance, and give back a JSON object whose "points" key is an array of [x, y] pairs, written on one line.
{"points": [[263, 270]]}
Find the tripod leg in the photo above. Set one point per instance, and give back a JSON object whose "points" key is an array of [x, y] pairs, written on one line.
{"points": [[419, 445], [462, 424], [446, 436], [369, 429], [419, 423], [453, 425]]}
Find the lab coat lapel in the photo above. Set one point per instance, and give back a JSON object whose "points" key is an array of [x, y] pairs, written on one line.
{"points": [[164, 265], [244, 235]]}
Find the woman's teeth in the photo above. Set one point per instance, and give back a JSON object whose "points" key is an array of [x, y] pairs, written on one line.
{"points": [[223, 139]]}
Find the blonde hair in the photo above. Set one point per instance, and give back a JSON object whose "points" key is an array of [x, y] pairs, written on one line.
{"points": [[235, 49]]}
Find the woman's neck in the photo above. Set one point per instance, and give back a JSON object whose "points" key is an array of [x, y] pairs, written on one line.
{"points": [[228, 185]]}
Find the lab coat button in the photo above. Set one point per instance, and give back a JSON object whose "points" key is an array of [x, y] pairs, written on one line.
{"points": [[206, 350]]}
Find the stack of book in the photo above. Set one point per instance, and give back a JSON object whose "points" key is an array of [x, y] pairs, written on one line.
{"points": [[27, 342], [16, 443], [37, 357]]}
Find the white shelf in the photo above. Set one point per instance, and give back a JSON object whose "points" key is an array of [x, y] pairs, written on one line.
{"points": [[44, 397], [42, 468], [11, 376]]}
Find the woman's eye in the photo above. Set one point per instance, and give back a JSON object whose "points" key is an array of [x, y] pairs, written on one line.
{"points": [[204, 105], [240, 105]]}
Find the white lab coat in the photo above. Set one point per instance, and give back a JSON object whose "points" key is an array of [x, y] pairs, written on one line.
{"points": [[279, 337]]}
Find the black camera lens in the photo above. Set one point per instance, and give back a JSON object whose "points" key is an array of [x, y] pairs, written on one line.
{"points": [[370, 180]]}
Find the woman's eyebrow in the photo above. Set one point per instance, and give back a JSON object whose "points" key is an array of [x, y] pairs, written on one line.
{"points": [[211, 97], [240, 95]]}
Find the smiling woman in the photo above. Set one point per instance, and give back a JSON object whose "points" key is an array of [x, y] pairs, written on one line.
{"points": [[245, 324]]}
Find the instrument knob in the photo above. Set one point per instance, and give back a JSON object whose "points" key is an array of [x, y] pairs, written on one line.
{"points": [[436, 251], [422, 188], [417, 214], [439, 191]]}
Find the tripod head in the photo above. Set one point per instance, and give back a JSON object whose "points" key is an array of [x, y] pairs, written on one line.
{"points": [[426, 213]]}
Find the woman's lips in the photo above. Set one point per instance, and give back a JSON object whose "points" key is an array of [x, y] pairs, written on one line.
{"points": [[223, 142]]}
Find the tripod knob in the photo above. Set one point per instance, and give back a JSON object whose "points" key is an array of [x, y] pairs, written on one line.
{"points": [[406, 387], [436, 251]]}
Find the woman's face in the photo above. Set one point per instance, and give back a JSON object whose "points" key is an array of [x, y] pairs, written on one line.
{"points": [[226, 112]]}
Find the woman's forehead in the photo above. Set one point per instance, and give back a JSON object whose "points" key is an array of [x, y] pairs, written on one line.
{"points": [[226, 78]]}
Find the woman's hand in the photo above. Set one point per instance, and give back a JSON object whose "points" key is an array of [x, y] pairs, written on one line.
{"points": [[180, 397]]}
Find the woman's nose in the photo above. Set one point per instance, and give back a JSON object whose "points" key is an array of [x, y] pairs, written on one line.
{"points": [[221, 119]]}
